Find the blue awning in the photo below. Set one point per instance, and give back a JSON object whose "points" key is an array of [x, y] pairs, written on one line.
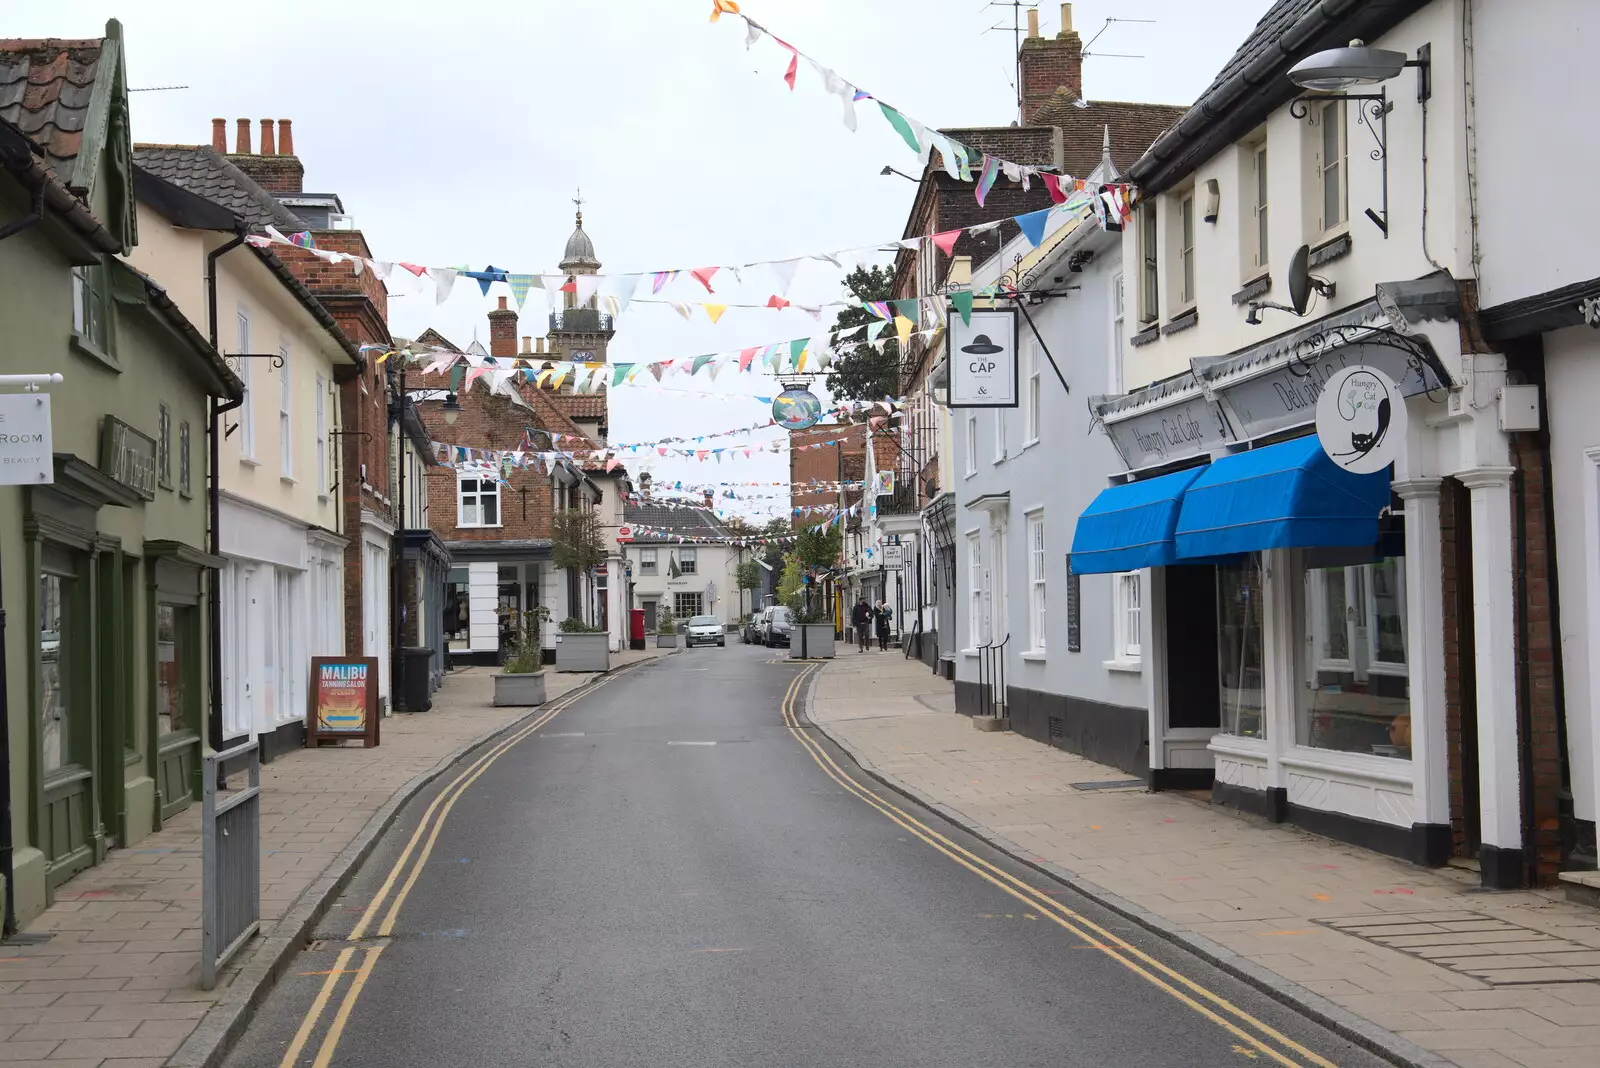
{"points": [[1281, 496], [1130, 526]]}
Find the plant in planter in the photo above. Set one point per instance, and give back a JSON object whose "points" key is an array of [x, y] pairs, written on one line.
{"points": [[520, 682], [666, 631], [582, 647]]}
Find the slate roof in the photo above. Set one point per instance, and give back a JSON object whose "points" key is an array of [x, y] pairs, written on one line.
{"points": [[1133, 127], [205, 172], [1254, 81], [45, 88], [686, 522]]}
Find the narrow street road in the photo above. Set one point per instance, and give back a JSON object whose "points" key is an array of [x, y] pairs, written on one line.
{"points": [[667, 873]]}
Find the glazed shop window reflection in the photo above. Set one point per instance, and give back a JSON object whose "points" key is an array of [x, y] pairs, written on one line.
{"points": [[1239, 647], [174, 664], [53, 679], [1357, 693]]}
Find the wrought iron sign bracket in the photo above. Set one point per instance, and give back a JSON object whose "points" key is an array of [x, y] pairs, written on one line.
{"points": [[1373, 113], [229, 357]]}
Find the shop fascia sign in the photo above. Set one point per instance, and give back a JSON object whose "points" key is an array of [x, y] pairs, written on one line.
{"points": [[128, 456], [26, 456], [1230, 398]]}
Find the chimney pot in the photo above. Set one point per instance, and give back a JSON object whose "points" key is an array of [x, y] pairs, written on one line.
{"points": [[1066, 19], [267, 146], [219, 135], [285, 138], [242, 141], [527, 343], [1033, 22], [502, 303]]}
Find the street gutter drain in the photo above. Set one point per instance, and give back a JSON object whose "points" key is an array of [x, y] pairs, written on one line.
{"points": [[1109, 784]]}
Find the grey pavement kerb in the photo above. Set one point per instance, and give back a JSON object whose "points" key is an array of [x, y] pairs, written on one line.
{"points": [[213, 1038], [1357, 1029]]}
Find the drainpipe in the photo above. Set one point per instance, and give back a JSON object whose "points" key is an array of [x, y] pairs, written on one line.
{"points": [[214, 600], [8, 918]]}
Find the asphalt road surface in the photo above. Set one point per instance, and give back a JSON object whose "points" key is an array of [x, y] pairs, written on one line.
{"points": [[674, 870]]}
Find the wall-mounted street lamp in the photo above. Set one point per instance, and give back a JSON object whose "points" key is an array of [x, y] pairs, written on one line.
{"points": [[1328, 73], [451, 408], [887, 170]]}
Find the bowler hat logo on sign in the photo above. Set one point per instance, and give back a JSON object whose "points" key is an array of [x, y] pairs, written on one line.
{"points": [[1361, 419], [982, 346]]}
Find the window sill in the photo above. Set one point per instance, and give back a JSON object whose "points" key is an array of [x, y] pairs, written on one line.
{"points": [[324, 498], [1030, 443], [1333, 245], [290, 479], [971, 653], [1037, 656], [1182, 321], [478, 526], [1255, 287], [1146, 335], [250, 461], [1128, 667], [88, 348]]}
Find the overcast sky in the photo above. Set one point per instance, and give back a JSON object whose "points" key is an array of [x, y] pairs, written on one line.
{"points": [[458, 133]]}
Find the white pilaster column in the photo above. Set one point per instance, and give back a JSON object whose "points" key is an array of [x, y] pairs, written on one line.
{"points": [[1430, 765], [1281, 655], [1494, 657]]}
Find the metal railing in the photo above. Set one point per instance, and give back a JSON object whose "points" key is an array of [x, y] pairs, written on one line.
{"points": [[581, 321], [230, 845], [992, 665]]}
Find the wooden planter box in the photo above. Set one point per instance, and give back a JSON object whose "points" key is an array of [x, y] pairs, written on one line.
{"points": [[583, 652], [519, 691]]}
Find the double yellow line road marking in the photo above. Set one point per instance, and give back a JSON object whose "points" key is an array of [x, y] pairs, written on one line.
{"points": [[409, 864], [1259, 1038]]}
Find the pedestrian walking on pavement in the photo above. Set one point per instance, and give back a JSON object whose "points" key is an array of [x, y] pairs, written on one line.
{"points": [[881, 617], [861, 620]]}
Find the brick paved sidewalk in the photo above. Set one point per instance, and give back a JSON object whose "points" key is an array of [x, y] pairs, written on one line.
{"points": [[115, 985], [1488, 980]]}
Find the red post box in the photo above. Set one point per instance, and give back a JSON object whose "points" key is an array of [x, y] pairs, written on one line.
{"points": [[636, 628]]}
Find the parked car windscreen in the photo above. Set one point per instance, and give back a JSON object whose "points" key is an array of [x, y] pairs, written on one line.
{"points": [[780, 615], [704, 621]]}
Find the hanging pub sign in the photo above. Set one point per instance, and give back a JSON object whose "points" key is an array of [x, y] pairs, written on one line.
{"points": [[344, 700], [983, 358], [796, 408], [1361, 419], [25, 456]]}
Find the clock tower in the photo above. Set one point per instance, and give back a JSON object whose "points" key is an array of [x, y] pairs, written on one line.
{"points": [[581, 332]]}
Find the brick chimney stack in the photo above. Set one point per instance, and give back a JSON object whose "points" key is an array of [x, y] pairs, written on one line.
{"points": [[503, 331], [644, 485], [711, 499], [275, 168], [1050, 64], [219, 135]]}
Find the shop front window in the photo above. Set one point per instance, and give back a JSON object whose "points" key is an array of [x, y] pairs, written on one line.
{"points": [[1240, 653], [1356, 697], [458, 606], [174, 660], [53, 678]]}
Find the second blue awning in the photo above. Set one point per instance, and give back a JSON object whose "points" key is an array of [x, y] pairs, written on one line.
{"points": [[1130, 526], [1281, 496]]}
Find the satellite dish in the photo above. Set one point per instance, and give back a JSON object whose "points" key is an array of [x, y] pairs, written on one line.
{"points": [[1300, 279]]}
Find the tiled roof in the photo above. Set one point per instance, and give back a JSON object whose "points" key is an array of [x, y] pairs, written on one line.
{"points": [[1133, 127], [582, 405], [1253, 82], [684, 522], [45, 88], [205, 172]]}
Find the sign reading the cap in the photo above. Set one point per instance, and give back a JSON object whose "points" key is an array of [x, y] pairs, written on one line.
{"points": [[1361, 419], [983, 358]]}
